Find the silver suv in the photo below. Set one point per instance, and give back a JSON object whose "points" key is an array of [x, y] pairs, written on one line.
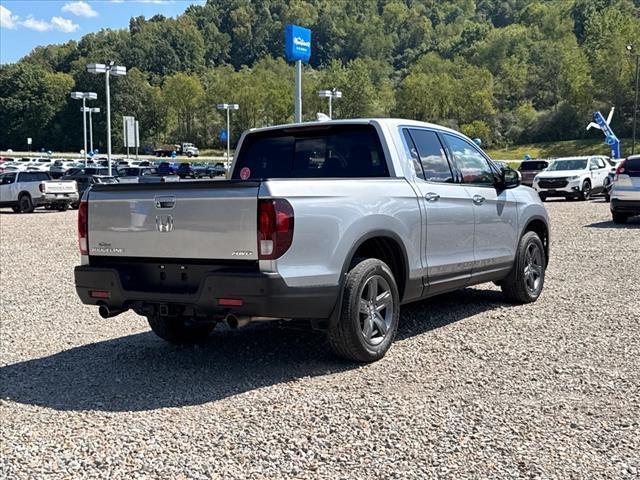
{"points": [[340, 222], [625, 190]]}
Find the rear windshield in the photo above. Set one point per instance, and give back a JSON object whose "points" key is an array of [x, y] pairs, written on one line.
{"points": [[632, 165], [328, 151], [524, 166]]}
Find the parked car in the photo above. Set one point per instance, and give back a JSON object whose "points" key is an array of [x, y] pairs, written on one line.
{"points": [[608, 181], [165, 168], [404, 210], [530, 168], [572, 178], [216, 169], [133, 174], [24, 191], [625, 191], [85, 182], [185, 170], [61, 167], [200, 170]]}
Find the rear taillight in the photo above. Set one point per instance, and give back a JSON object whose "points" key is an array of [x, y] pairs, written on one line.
{"points": [[41, 186], [83, 228], [619, 170], [275, 228]]}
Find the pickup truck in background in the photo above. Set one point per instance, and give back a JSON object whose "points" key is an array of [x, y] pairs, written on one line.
{"points": [[188, 149], [337, 222], [23, 191]]}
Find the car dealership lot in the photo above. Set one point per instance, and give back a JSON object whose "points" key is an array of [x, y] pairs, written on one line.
{"points": [[473, 387]]}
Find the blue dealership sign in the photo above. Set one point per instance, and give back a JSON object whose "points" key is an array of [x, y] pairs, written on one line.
{"points": [[223, 135], [297, 43]]}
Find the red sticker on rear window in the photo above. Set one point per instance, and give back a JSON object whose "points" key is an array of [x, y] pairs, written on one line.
{"points": [[245, 173]]}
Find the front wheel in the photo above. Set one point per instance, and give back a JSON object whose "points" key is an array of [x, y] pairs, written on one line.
{"points": [[370, 313], [585, 193], [525, 282], [176, 330]]}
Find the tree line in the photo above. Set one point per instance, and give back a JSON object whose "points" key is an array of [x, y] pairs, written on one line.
{"points": [[506, 72]]}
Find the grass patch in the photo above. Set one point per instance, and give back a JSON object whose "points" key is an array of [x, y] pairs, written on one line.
{"points": [[557, 149]]}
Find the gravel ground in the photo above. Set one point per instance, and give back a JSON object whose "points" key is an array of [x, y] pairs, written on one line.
{"points": [[473, 388]]}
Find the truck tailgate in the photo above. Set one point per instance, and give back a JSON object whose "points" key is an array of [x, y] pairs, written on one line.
{"points": [[215, 220], [60, 186]]}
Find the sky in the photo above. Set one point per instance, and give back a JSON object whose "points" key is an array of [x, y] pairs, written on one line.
{"points": [[26, 24]]}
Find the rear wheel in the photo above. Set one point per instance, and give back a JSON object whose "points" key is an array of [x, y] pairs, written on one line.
{"points": [[370, 313], [16, 209], [619, 218], [176, 329], [525, 282], [26, 204]]}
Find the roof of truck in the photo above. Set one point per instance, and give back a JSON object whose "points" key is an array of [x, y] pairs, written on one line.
{"points": [[389, 122]]}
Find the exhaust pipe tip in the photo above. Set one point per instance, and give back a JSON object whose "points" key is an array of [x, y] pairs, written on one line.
{"points": [[105, 312], [237, 322]]}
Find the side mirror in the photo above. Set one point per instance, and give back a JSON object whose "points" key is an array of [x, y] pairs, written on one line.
{"points": [[509, 179]]}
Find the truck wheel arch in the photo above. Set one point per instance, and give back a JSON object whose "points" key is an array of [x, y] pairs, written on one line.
{"points": [[384, 245], [539, 226]]}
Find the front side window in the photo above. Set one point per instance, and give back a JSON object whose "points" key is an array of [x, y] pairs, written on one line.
{"points": [[432, 157], [474, 167]]}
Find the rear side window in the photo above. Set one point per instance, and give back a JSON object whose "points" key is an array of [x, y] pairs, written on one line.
{"points": [[432, 157], [525, 166], [335, 151], [7, 178]]}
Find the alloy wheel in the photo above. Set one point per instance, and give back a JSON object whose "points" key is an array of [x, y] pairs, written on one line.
{"points": [[376, 310], [533, 269]]}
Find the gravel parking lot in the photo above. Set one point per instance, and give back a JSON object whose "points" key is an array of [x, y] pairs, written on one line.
{"points": [[473, 388]]}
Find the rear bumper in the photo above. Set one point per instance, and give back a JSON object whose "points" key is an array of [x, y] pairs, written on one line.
{"points": [[625, 206], [262, 294], [48, 198]]}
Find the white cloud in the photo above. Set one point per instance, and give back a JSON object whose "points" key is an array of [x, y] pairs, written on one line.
{"points": [[56, 23], [64, 25], [35, 24], [79, 9], [8, 19]]}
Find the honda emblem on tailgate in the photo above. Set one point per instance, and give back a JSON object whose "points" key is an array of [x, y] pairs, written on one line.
{"points": [[164, 223]]}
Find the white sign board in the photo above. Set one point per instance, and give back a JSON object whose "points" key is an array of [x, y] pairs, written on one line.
{"points": [[29, 140], [129, 130]]}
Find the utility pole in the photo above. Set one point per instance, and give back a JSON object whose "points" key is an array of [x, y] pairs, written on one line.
{"points": [[632, 51]]}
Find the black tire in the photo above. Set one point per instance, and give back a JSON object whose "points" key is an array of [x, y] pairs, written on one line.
{"points": [[175, 330], [25, 203], [619, 218], [15, 209], [348, 337], [63, 208], [521, 285], [189, 154], [585, 193], [607, 197]]}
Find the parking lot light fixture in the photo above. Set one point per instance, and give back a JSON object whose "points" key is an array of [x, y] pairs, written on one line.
{"points": [[84, 96], [632, 50], [108, 69], [330, 94], [228, 107]]}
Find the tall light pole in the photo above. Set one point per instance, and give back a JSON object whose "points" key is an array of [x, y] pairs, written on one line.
{"points": [[90, 110], [108, 69], [631, 49], [84, 96], [330, 94], [228, 107]]}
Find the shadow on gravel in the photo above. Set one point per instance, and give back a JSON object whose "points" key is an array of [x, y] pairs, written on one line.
{"points": [[633, 222], [141, 372]]}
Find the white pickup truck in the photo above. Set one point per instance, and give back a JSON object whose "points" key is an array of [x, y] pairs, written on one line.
{"points": [[23, 191], [336, 222]]}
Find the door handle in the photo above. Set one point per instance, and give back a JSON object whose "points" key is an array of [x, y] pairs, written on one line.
{"points": [[432, 197], [478, 199]]}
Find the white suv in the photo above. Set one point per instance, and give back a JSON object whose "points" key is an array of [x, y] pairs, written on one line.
{"points": [[572, 177]]}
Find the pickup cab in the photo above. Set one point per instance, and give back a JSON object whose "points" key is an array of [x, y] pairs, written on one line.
{"points": [[23, 191], [337, 223]]}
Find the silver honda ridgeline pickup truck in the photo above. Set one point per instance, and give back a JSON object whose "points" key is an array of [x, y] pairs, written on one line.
{"points": [[338, 222]]}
